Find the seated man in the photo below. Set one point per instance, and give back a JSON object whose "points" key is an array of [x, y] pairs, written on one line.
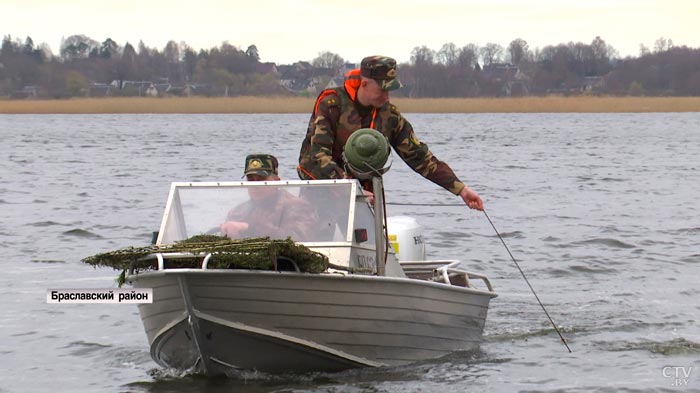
{"points": [[271, 211]]}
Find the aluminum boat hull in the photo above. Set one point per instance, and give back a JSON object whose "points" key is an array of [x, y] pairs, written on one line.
{"points": [[216, 321]]}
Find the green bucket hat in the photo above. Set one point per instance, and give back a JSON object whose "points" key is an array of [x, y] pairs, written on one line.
{"points": [[260, 164], [382, 69]]}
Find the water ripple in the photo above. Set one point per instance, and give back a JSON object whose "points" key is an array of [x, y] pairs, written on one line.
{"points": [[45, 224], [608, 242], [83, 348], [675, 347], [48, 261], [82, 234], [592, 268]]}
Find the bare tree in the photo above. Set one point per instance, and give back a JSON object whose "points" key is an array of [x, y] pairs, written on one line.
{"points": [[329, 60], [491, 53], [643, 50], [600, 49], [232, 59], [469, 56], [518, 50], [448, 54], [602, 54], [143, 49], [45, 50], [662, 44], [172, 52], [422, 56], [126, 66], [77, 46]]}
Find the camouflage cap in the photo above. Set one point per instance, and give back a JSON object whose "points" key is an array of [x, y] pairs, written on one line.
{"points": [[260, 164], [382, 69]]}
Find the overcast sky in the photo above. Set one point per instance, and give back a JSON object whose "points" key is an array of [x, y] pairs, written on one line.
{"points": [[288, 31]]}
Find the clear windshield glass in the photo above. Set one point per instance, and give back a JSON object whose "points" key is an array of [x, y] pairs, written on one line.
{"points": [[306, 212]]}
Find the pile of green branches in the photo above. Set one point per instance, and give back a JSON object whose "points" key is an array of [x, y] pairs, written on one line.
{"points": [[260, 253]]}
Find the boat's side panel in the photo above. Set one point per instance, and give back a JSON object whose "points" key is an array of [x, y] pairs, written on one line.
{"points": [[168, 306], [388, 321]]}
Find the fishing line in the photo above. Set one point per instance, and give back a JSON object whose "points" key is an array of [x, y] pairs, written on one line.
{"points": [[563, 340]]}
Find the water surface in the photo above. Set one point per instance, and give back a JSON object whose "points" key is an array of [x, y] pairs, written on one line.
{"points": [[601, 211]]}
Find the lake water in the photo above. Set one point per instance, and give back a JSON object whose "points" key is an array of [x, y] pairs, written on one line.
{"points": [[602, 211]]}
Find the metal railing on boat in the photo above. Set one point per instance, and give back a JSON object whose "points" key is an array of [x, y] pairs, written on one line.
{"points": [[440, 271], [161, 258], [443, 271]]}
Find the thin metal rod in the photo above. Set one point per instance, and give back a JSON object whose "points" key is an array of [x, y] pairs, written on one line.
{"points": [[425, 204], [379, 224], [563, 340]]}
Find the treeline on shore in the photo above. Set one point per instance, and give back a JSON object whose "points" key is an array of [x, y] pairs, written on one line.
{"points": [[88, 68]]}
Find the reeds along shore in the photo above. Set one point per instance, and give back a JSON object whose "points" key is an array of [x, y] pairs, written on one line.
{"points": [[580, 104]]}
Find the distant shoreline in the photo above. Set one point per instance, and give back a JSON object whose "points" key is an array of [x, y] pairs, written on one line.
{"points": [[550, 104]]}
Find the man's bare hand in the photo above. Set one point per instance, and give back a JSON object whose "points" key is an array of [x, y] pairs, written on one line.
{"points": [[369, 196], [471, 198], [233, 229]]}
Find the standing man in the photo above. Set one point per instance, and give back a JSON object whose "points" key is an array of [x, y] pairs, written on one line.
{"points": [[363, 102]]}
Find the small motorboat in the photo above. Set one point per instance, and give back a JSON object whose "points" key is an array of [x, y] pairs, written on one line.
{"points": [[367, 308]]}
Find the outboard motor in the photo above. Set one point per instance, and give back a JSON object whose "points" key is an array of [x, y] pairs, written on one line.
{"points": [[406, 237]]}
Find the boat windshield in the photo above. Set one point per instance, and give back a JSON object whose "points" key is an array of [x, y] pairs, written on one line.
{"points": [[305, 211]]}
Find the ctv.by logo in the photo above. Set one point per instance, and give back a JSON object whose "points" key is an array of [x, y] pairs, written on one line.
{"points": [[679, 374]]}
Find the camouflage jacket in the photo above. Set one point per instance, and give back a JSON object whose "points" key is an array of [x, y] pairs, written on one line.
{"points": [[280, 216], [336, 116]]}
